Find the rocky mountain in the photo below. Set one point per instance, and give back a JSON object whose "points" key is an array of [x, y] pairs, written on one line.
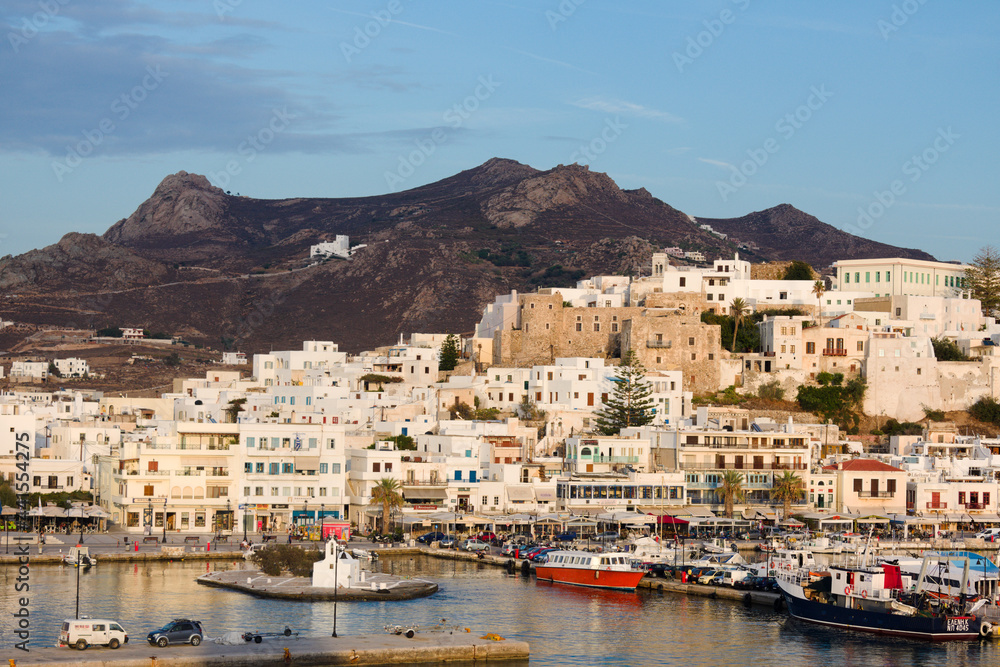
{"points": [[235, 271], [786, 233]]}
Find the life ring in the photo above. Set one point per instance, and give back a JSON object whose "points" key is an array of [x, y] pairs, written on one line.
{"points": [[864, 594], [847, 590], [985, 629]]}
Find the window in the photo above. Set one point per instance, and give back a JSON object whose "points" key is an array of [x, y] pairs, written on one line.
{"points": [[335, 468], [810, 348], [273, 468], [250, 442], [683, 282], [861, 346], [691, 341], [857, 276], [323, 468], [868, 276], [376, 467], [708, 297], [579, 326], [847, 278], [248, 466], [614, 327], [597, 326]]}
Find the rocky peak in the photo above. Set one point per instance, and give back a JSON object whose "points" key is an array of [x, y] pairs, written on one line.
{"points": [[182, 204]]}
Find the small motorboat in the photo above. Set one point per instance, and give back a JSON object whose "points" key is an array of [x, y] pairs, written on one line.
{"points": [[78, 556]]}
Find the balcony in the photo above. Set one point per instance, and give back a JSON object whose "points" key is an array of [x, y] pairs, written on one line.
{"points": [[730, 465], [975, 506], [937, 506], [834, 352], [425, 482], [659, 344], [876, 494]]}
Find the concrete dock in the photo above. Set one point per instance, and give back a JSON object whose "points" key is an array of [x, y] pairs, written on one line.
{"points": [[377, 586], [424, 647]]}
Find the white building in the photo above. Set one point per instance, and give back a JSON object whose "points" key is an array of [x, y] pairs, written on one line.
{"points": [[29, 369], [899, 276], [72, 367], [339, 247], [234, 358]]}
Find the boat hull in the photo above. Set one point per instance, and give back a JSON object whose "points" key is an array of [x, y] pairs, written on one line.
{"points": [[618, 580], [937, 628]]}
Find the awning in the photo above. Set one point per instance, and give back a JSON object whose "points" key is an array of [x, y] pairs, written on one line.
{"points": [[986, 518], [699, 511], [521, 494], [304, 463], [425, 494], [545, 495]]}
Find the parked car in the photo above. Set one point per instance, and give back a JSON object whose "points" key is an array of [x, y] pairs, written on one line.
{"points": [[179, 631], [448, 542], [476, 545], [607, 536], [83, 632], [486, 536], [541, 555], [566, 537], [711, 577], [528, 553], [990, 534], [427, 538]]}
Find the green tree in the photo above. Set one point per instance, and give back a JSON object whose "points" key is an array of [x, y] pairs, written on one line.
{"points": [[449, 353], [109, 332], [787, 489], [771, 391], [404, 443], [738, 308], [945, 349], [7, 496], [731, 490], [798, 270], [386, 494], [234, 409], [986, 409], [54, 370], [630, 403], [834, 401], [173, 359], [982, 277], [819, 288]]}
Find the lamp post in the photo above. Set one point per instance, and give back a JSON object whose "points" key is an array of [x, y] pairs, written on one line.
{"points": [[229, 515], [336, 582], [245, 520], [150, 516], [322, 515], [305, 510]]}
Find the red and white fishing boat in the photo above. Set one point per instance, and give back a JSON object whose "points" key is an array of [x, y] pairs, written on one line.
{"points": [[582, 568]]}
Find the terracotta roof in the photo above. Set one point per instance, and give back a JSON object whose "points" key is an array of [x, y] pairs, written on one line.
{"points": [[863, 465]]}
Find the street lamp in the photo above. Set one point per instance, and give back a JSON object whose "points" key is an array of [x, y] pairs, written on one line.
{"points": [[164, 519], [305, 510], [336, 581], [150, 516], [229, 515], [322, 515], [245, 520]]}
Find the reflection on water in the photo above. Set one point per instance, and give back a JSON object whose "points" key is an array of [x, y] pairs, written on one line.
{"points": [[564, 624]]}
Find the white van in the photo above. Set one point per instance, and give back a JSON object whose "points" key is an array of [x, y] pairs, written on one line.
{"points": [[82, 632], [990, 534]]}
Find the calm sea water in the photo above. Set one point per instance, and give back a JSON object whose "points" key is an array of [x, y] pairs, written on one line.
{"points": [[564, 625]]}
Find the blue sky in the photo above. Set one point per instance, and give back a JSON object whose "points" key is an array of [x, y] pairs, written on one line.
{"points": [[876, 117]]}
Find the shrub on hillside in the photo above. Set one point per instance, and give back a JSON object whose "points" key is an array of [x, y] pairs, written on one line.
{"points": [[771, 391], [986, 409]]}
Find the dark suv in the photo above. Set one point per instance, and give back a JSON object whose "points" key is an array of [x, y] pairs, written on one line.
{"points": [[180, 631], [427, 538]]}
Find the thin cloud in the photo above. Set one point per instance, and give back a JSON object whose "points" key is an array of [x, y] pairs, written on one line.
{"points": [[716, 163], [395, 20], [621, 107], [552, 61]]}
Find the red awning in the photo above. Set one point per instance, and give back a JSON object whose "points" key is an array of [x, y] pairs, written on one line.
{"points": [[667, 519]]}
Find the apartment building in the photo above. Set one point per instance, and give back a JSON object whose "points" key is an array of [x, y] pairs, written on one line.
{"points": [[900, 276]]}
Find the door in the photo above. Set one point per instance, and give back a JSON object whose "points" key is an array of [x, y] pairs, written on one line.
{"points": [[590, 399], [874, 488]]}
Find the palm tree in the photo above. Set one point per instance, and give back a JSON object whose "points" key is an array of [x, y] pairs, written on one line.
{"points": [[787, 489], [730, 490], [819, 287], [386, 494], [738, 308]]}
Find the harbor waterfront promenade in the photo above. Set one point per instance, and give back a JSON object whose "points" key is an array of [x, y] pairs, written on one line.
{"points": [[423, 648]]}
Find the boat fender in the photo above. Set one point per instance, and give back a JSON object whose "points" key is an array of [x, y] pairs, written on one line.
{"points": [[747, 600], [985, 629]]}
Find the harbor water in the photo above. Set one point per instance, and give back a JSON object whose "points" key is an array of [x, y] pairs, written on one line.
{"points": [[564, 625]]}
